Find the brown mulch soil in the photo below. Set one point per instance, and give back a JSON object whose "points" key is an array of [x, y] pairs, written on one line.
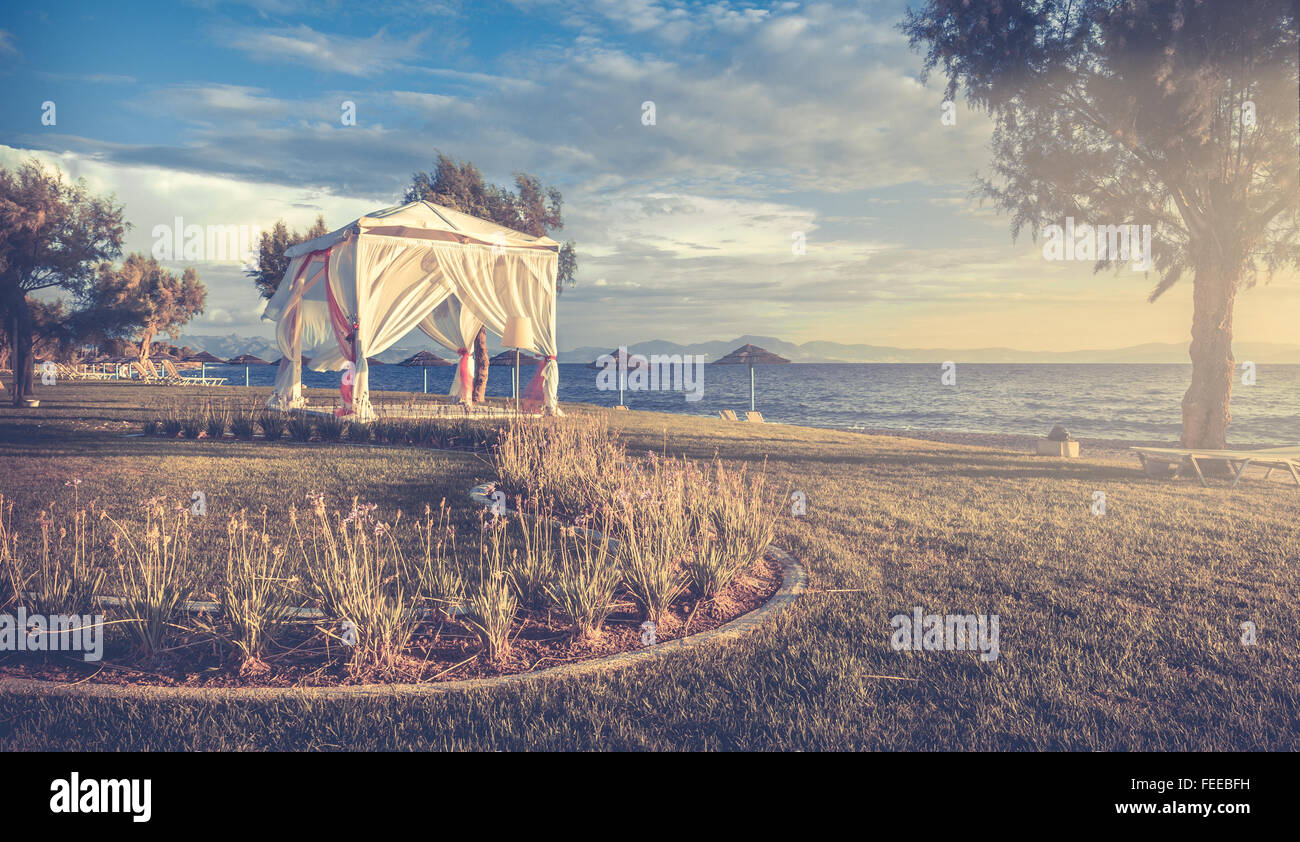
{"points": [[442, 650]]}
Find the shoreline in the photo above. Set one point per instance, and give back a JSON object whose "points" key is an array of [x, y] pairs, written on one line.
{"points": [[1018, 441]]}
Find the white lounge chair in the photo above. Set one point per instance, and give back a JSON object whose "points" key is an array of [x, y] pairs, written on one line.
{"points": [[175, 376], [1272, 458], [148, 374]]}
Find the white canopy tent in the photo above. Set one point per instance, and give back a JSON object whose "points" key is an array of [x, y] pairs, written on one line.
{"points": [[354, 292]]}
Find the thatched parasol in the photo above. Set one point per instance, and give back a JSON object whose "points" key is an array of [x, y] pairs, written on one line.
{"points": [[508, 358], [425, 358], [750, 355]]}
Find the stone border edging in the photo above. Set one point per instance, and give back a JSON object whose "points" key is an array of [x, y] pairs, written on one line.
{"points": [[794, 581]]}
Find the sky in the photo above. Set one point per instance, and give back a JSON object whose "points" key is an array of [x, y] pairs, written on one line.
{"points": [[773, 125]]}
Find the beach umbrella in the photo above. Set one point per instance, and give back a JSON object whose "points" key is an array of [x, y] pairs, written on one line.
{"points": [[246, 360], [203, 358], [425, 360], [751, 355], [508, 358], [620, 357]]}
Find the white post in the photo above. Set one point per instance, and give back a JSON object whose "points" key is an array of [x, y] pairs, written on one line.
{"points": [[245, 375], [426, 380]]}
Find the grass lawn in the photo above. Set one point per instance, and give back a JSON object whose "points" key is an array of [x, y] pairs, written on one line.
{"points": [[1119, 631]]}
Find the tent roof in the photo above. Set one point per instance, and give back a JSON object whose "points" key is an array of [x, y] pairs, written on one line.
{"points": [[427, 221]]}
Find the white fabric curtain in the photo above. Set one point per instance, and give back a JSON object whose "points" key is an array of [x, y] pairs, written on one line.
{"points": [[299, 318], [536, 294], [398, 284], [454, 327]]}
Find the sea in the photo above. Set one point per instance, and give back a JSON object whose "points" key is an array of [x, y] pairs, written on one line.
{"points": [[1128, 402]]}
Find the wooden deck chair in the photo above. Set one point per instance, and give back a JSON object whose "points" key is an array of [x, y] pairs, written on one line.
{"points": [[754, 417], [727, 414], [621, 407]]}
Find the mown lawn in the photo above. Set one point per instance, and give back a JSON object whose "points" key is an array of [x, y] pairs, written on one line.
{"points": [[1119, 631]]}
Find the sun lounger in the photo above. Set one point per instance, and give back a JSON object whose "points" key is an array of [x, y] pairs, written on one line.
{"points": [[1272, 458], [66, 372], [754, 417], [175, 376], [620, 406], [727, 414], [147, 374]]}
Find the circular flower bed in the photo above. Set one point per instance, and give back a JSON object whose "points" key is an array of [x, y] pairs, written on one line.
{"points": [[554, 565]]}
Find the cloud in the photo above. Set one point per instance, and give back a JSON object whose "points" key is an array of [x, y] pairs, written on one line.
{"points": [[332, 53], [7, 45]]}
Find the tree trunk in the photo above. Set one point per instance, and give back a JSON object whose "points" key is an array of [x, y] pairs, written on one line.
{"points": [[20, 340], [480, 365], [1206, 406], [145, 341]]}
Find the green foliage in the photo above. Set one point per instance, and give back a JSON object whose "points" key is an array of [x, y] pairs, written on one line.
{"points": [[156, 576], [585, 581], [490, 603], [300, 426], [531, 207], [271, 260], [243, 422], [256, 593], [273, 424], [141, 298], [359, 574], [216, 421], [331, 427]]}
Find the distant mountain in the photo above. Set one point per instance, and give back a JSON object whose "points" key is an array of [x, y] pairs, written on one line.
{"points": [[835, 352], [231, 345]]}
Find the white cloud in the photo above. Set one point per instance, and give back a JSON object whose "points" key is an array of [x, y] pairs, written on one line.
{"points": [[335, 53]]}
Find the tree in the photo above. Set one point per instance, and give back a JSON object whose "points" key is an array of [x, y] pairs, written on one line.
{"points": [[52, 235], [531, 208], [271, 262], [1180, 114], [143, 299], [55, 332]]}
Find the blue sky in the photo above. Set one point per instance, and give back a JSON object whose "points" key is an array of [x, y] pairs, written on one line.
{"points": [[770, 120]]}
